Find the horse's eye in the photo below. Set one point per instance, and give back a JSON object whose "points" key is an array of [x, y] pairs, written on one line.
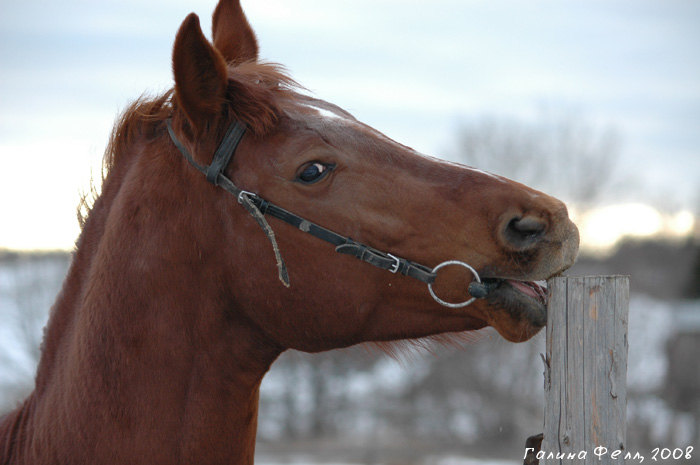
{"points": [[314, 172]]}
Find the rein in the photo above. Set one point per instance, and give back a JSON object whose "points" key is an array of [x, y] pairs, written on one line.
{"points": [[259, 207]]}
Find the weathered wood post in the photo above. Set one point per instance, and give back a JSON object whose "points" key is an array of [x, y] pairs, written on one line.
{"points": [[586, 371]]}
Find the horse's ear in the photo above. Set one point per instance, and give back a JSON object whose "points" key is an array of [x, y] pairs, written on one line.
{"points": [[200, 73], [233, 36]]}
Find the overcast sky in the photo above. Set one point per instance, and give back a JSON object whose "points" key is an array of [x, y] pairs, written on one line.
{"points": [[412, 69]]}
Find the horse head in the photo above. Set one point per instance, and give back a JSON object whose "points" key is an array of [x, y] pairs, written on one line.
{"points": [[316, 160]]}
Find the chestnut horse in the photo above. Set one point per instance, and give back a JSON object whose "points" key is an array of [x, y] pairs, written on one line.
{"points": [[179, 299]]}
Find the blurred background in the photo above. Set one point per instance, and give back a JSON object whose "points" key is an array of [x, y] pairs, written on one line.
{"points": [[596, 102]]}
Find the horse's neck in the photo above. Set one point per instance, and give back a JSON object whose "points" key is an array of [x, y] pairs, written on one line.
{"points": [[143, 362]]}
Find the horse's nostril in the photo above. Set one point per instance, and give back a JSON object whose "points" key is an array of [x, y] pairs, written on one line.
{"points": [[528, 225], [523, 232]]}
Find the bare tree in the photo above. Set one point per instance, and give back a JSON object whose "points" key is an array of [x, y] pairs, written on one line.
{"points": [[562, 156]]}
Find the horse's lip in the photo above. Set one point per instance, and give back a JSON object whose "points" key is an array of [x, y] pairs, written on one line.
{"points": [[522, 299], [510, 296], [536, 289]]}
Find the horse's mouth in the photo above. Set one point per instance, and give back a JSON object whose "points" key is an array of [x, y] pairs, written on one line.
{"points": [[522, 303], [536, 290]]}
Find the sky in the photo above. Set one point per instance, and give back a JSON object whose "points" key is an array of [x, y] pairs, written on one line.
{"points": [[414, 70]]}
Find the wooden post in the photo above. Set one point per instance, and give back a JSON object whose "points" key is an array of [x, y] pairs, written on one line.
{"points": [[586, 371]]}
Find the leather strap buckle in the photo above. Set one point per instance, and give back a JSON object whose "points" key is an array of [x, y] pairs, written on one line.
{"points": [[250, 195], [396, 265]]}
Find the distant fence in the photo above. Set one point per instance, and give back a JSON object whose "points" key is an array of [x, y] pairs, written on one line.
{"points": [[586, 371]]}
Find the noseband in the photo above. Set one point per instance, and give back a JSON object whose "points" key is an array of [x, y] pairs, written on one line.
{"points": [[259, 207]]}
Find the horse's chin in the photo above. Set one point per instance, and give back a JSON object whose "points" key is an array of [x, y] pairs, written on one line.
{"points": [[517, 310]]}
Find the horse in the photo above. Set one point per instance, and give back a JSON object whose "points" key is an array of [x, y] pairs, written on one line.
{"points": [[196, 267]]}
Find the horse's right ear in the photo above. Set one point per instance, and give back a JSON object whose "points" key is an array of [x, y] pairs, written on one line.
{"points": [[200, 73], [232, 33]]}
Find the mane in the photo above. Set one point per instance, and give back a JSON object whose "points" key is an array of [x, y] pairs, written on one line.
{"points": [[254, 97]]}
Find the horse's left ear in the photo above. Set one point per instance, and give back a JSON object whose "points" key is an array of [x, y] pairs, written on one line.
{"points": [[233, 36], [201, 77]]}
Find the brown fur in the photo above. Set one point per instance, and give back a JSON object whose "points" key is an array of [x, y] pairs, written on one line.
{"points": [[172, 313]]}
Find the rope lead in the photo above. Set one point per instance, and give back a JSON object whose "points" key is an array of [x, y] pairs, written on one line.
{"points": [[260, 218]]}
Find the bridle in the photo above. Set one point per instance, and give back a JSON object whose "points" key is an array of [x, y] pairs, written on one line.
{"points": [[259, 207]]}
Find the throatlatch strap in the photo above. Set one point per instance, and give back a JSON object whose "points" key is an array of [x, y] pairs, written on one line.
{"points": [[183, 150]]}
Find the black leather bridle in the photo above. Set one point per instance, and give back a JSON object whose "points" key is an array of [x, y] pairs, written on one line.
{"points": [[259, 207]]}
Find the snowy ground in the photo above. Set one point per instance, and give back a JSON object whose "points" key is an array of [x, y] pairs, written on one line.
{"points": [[429, 460]]}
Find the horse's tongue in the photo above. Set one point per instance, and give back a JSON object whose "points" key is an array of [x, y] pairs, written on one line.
{"points": [[536, 290]]}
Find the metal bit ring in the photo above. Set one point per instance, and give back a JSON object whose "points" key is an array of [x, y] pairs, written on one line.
{"points": [[449, 304]]}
